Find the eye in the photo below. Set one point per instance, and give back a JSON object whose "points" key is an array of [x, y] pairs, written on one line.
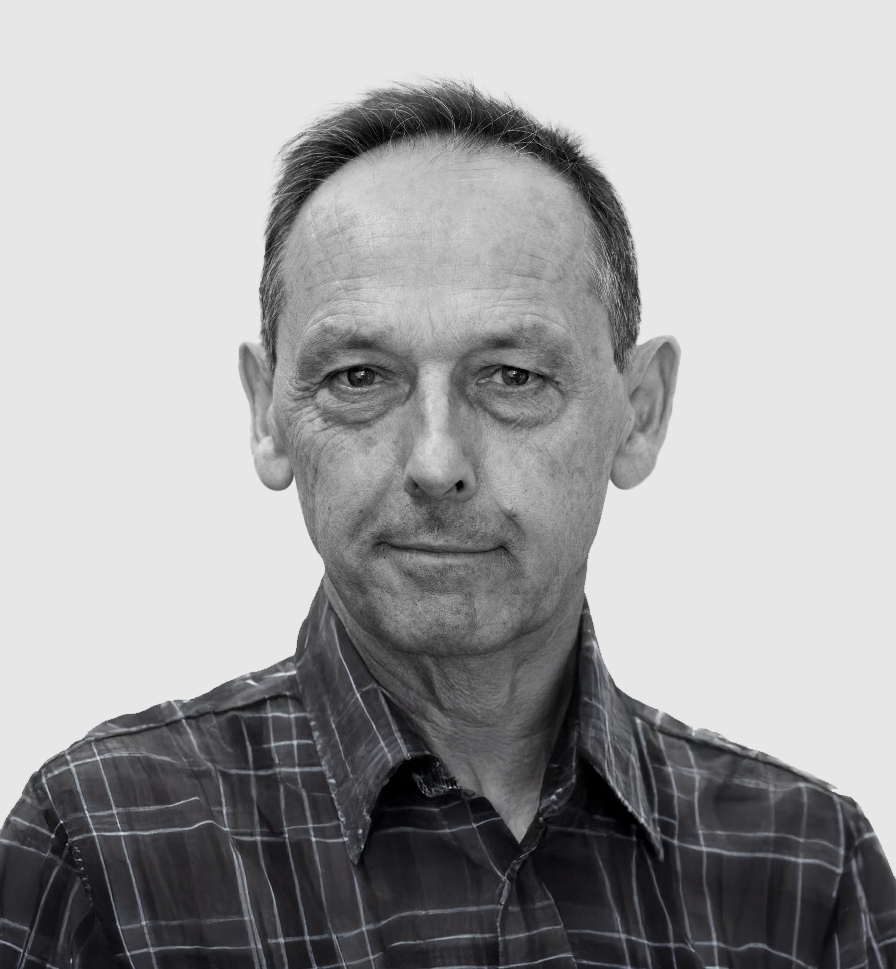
{"points": [[512, 377], [515, 376], [358, 376]]}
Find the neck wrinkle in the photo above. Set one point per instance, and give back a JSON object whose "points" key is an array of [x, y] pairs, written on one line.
{"points": [[492, 720]]}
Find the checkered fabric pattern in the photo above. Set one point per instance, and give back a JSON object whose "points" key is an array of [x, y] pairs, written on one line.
{"points": [[292, 818]]}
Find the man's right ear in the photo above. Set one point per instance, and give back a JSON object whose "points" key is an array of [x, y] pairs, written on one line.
{"points": [[271, 461]]}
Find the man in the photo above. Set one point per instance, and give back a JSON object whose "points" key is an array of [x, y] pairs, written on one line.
{"points": [[444, 774]]}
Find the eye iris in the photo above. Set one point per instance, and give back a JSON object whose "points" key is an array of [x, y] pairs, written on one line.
{"points": [[514, 376], [360, 376]]}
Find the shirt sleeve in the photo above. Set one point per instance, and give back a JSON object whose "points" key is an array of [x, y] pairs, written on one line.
{"points": [[46, 918], [863, 929]]}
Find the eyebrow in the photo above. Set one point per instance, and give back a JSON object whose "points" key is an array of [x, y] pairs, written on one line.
{"points": [[531, 334], [331, 337]]}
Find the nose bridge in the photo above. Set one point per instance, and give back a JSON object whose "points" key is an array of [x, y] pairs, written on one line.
{"points": [[436, 409], [439, 462]]}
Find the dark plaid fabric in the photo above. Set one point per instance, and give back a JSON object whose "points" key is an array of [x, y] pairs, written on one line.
{"points": [[292, 818]]}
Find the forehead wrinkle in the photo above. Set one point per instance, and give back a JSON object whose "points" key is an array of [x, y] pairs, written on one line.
{"points": [[515, 316], [518, 249], [323, 250], [502, 263], [341, 259]]}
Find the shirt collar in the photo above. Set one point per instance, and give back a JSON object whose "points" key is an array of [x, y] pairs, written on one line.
{"points": [[607, 737], [359, 735], [362, 739]]}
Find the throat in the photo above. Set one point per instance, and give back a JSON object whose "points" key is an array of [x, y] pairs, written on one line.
{"points": [[506, 765], [491, 719], [515, 800]]}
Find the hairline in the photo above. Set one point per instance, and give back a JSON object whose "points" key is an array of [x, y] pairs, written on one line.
{"points": [[461, 143], [432, 146], [457, 116]]}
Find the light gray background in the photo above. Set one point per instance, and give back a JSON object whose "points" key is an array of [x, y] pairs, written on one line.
{"points": [[746, 587]]}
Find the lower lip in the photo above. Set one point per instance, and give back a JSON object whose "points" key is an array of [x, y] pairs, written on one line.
{"points": [[420, 558]]}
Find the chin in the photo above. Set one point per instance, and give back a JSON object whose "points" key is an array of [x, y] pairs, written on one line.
{"points": [[468, 623], [446, 609]]}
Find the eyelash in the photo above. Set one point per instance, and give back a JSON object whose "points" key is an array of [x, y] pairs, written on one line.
{"points": [[533, 378], [334, 377]]}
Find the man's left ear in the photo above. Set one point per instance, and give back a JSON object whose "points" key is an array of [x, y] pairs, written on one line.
{"points": [[271, 460], [650, 384]]}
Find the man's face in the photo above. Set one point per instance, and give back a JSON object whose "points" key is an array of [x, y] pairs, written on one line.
{"points": [[446, 392]]}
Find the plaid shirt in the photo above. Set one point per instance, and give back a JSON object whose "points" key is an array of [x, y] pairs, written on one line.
{"points": [[293, 818]]}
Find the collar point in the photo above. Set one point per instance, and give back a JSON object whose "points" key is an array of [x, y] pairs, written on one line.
{"points": [[656, 841], [354, 843]]}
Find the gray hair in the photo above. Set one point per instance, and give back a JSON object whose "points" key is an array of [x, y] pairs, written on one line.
{"points": [[458, 112]]}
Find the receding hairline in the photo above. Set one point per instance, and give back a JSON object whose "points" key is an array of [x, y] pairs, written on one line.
{"points": [[455, 113], [441, 152]]}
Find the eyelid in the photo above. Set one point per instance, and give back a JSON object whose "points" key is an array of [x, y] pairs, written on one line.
{"points": [[337, 380], [356, 366]]}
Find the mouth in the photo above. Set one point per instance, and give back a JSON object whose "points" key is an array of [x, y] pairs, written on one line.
{"points": [[425, 548], [439, 567]]}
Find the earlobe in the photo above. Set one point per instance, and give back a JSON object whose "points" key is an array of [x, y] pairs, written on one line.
{"points": [[271, 464], [271, 461], [650, 383]]}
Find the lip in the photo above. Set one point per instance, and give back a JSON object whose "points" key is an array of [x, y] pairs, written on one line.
{"points": [[427, 549]]}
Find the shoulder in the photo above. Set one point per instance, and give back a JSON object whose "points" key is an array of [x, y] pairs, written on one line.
{"points": [[701, 748], [176, 749], [732, 816], [242, 693], [717, 792]]}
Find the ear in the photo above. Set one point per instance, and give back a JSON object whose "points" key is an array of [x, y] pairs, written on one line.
{"points": [[271, 460], [650, 384]]}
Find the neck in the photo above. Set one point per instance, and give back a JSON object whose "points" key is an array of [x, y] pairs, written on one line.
{"points": [[491, 719]]}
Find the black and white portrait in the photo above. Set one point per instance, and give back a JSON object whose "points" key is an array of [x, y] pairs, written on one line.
{"points": [[465, 436]]}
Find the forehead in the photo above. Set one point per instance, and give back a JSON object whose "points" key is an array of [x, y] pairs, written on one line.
{"points": [[413, 233]]}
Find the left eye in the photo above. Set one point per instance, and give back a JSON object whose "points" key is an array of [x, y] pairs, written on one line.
{"points": [[359, 376], [512, 376]]}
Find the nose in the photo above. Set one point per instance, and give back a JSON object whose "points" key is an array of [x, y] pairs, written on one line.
{"points": [[439, 465]]}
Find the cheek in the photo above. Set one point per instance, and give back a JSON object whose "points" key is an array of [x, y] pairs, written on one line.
{"points": [[340, 477], [555, 486], [555, 495], [568, 485]]}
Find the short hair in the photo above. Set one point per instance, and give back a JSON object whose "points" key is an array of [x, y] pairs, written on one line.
{"points": [[458, 112]]}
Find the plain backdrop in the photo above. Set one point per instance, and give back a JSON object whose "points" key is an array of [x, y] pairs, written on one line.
{"points": [[746, 587]]}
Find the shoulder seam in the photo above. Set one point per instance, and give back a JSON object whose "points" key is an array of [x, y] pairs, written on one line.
{"points": [[178, 717], [716, 740]]}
